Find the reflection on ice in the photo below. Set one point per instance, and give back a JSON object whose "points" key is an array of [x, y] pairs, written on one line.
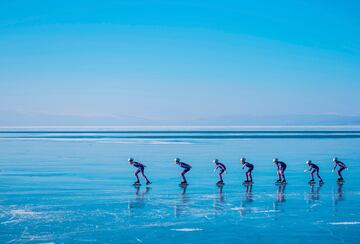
{"points": [[246, 200], [280, 196], [138, 201], [338, 196], [181, 207], [313, 197], [219, 200]]}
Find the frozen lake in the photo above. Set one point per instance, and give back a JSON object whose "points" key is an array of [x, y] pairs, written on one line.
{"points": [[76, 186]]}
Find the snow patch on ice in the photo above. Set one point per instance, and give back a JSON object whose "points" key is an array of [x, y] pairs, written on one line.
{"points": [[187, 229], [345, 223]]}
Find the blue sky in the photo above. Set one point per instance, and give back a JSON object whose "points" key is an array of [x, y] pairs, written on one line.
{"points": [[170, 60]]}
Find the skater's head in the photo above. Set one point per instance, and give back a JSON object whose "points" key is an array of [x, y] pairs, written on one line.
{"points": [[243, 160], [308, 162], [335, 159], [216, 161], [177, 160], [275, 160], [131, 160]]}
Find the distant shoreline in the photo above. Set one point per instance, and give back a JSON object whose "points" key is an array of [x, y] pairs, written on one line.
{"points": [[182, 128]]}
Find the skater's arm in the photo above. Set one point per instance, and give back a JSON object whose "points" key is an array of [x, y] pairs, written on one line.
{"points": [[335, 164]]}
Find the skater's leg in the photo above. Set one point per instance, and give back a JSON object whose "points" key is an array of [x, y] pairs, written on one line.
{"points": [[220, 175], [144, 176], [312, 175], [250, 174], [279, 175], [183, 174], [137, 176], [318, 175], [283, 175], [339, 173]]}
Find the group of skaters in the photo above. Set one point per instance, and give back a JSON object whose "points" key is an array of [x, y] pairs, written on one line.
{"points": [[281, 167]]}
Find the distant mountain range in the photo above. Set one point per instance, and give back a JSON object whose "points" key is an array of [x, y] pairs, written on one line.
{"points": [[37, 119]]}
